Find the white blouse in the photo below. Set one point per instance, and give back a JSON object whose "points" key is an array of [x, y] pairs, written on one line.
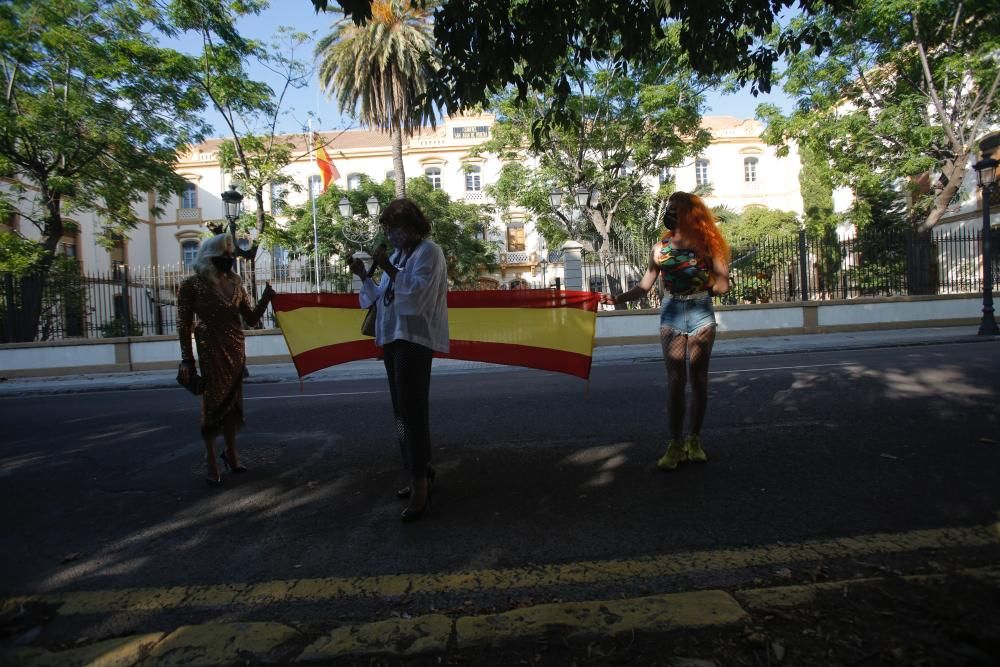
{"points": [[419, 310]]}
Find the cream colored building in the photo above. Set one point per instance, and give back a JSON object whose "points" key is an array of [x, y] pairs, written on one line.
{"points": [[741, 170]]}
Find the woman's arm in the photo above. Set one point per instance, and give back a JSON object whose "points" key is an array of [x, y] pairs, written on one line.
{"points": [[640, 290], [252, 316], [185, 319], [720, 272]]}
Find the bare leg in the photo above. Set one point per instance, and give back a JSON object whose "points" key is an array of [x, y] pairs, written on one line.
{"points": [[700, 352], [674, 356], [213, 464], [229, 434]]}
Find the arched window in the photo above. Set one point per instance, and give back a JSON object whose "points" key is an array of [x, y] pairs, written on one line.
{"points": [[433, 175], [189, 197], [750, 169], [189, 253], [353, 181], [473, 178], [701, 172], [666, 175]]}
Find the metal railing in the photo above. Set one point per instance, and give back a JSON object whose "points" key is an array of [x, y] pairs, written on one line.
{"points": [[140, 301], [801, 267]]}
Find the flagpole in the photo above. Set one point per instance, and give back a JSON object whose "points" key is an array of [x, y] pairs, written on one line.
{"points": [[312, 200]]}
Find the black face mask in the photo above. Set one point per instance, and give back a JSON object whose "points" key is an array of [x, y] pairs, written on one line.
{"points": [[223, 264], [670, 220]]}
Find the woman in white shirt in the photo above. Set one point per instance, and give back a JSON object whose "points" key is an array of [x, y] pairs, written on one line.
{"points": [[411, 325]]}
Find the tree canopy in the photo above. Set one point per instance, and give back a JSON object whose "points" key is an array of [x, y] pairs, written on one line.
{"points": [[632, 126], [487, 45], [907, 88]]}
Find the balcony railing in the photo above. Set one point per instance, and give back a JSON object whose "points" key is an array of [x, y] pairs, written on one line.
{"points": [[189, 214], [518, 257]]}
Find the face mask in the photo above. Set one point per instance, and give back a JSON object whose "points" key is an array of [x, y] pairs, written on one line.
{"points": [[223, 264], [670, 220], [398, 237]]}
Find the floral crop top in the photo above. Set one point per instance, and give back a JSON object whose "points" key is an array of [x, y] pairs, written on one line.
{"points": [[682, 270]]}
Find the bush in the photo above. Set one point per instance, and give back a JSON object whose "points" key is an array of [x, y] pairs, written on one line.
{"points": [[120, 327]]}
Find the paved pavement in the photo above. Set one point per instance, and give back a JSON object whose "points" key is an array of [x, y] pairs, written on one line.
{"points": [[614, 354]]}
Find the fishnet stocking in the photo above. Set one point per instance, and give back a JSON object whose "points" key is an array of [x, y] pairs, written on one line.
{"points": [[686, 355]]}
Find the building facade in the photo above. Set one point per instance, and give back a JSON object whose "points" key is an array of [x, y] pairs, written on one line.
{"points": [[737, 170]]}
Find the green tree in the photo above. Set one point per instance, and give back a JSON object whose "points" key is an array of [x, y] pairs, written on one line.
{"points": [[93, 115], [631, 126], [760, 222], [907, 88], [381, 72], [456, 226], [488, 45], [254, 153]]}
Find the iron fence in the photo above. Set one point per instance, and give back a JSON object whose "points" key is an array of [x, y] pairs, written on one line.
{"points": [[139, 301], [801, 267]]}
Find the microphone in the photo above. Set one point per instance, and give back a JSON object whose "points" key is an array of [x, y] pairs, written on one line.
{"points": [[371, 270]]}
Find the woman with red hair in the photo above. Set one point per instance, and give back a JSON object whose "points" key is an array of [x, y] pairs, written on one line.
{"points": [[692, 260]]}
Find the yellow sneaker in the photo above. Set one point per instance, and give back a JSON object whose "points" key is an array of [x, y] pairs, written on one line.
{"points": [[692, 447], [675, 454]]}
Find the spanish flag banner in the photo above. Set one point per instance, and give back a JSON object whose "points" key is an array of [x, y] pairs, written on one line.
{"points": [[326, 167], [543, 329]]}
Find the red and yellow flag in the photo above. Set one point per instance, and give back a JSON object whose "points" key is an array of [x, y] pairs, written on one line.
{"points": [[543, 329], [326, 167]]}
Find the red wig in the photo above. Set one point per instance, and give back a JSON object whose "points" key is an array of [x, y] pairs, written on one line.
{"points": [[697, 223]]}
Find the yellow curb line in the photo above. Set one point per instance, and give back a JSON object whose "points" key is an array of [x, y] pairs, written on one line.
{"points": [[118, 652], [206, 644], [801, 594], [225, 643], [432, 633], [581, 573]]}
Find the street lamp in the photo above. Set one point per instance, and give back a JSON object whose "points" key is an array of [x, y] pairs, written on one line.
{"points": [[346, 210], [232, 203], [986, 170], [544, 263]]}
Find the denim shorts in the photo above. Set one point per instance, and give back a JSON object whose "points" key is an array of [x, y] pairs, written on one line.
{"points": [[686, 316]]}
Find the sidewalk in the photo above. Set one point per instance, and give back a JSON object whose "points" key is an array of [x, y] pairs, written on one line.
{"points": [[609, 355]]}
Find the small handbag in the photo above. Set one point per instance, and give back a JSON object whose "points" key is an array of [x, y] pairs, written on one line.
{"points": [[368, 326], [195, 383]]}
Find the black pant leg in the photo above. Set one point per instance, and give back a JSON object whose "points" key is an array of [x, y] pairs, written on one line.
{"points": [[391, 354], [413, 373]]}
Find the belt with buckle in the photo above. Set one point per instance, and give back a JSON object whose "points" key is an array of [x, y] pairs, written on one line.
{"points": [[689, 297]]}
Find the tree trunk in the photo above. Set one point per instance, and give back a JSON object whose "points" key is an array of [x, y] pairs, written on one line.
{"points": [[954, 175], [24, 302], [397, 161]]}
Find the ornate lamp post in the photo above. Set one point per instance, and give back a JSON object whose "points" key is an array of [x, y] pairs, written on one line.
{"points": [[360, 229], [232, 202], [986, 170], [580, 199]]}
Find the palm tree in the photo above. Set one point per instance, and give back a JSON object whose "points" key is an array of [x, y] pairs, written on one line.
{"points": [[380, 72]]}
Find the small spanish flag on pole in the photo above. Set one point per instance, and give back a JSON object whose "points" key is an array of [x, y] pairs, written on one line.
{"points": [[326, 167], [543, 329]]}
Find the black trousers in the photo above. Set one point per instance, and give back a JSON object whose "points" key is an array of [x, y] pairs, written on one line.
{"points": [[408, 366]]}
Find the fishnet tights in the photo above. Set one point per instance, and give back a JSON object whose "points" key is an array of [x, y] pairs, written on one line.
{"points": [[686, 358]]}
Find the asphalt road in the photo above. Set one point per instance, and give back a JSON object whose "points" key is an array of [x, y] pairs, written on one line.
{"points": [[105, 490]]}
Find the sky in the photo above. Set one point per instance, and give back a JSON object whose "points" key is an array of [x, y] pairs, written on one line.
{"points": [[299, 15]]}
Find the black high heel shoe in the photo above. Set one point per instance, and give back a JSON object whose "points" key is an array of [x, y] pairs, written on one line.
{"points": [[214, 482], [231, 467], [406, 492], [409, 515]]}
